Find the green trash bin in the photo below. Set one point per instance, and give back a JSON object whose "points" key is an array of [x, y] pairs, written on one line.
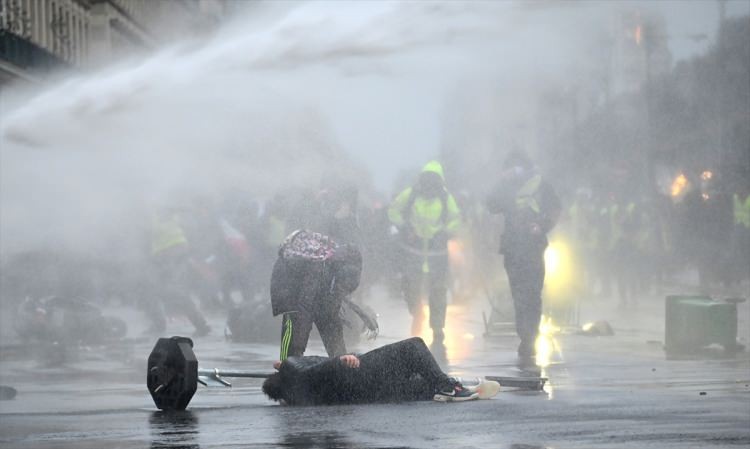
{"points": [[694, 322]]}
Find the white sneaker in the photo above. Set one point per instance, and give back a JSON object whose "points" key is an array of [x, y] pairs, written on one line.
{"points": [[486, 388]]}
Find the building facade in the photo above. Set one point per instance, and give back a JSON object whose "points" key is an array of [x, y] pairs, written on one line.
{"points": [[38, 36]]}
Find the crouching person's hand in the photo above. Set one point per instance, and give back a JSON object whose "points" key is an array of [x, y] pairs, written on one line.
{"points": [[350, 360]]}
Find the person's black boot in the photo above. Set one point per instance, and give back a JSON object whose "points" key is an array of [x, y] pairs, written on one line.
{"points": [[527, 357]]}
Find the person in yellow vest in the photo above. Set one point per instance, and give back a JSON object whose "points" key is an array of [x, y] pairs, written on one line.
{"points": [[741, 234], [650, 243], [603, 242], [426, 215], [531, 209], [742, 209], [625, 251], [171, 264], [581, 216], [273, 229]]}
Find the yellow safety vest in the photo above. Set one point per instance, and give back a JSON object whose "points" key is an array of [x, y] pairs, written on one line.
{"points": [[426, 214], [742, 211], [426, 217], [166, 233], [526, 195]]}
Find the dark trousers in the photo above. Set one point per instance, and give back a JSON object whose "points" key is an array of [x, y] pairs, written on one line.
{"points": [[526, 277], [296, 327], [402, 371], [436, 279]]}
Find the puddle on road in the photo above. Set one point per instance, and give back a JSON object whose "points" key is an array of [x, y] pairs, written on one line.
{"points": [[333, 440], [174, 430]]}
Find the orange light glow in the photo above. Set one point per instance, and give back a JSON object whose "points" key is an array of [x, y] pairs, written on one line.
{"points": [[638, 35], [679, 185], [458, 339], [707, 175], [456, 252]]}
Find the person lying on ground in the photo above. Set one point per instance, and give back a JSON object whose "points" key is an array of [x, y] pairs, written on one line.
{"points": [[398, 372]]}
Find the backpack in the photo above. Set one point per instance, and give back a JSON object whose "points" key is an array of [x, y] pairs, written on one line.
{"points": [[307, 245], [299, 250]]}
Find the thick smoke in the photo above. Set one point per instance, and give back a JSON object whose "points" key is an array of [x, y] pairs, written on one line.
{"points": [[279, 97]]}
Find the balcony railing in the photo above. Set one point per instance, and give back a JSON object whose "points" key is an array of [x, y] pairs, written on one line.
{"points": [[26, 55]]}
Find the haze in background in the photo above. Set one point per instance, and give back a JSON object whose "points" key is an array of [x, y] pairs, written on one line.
{"points": [[280, 97]]}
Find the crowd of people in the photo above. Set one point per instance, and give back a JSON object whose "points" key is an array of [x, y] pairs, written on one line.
{"points": [[631, 246], [217, 255]]}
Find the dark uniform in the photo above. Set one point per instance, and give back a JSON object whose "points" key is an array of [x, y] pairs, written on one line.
{"points": [[310, 278], [530, 208]]}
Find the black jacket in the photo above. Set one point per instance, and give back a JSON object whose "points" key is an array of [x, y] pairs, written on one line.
{"points": [[517, 238], [313, 380]]}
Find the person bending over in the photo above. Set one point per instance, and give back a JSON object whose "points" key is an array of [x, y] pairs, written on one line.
{"points": [[311, 277], [398, 372]]}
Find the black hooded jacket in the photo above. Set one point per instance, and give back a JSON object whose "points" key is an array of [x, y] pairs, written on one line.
{"points": [[517, 238]]}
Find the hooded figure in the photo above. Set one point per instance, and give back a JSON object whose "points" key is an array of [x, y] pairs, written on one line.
{"points": [[530, 208], [426, 216]]}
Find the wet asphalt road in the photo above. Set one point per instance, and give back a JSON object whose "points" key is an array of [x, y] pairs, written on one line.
{"points": [[617, 391]]}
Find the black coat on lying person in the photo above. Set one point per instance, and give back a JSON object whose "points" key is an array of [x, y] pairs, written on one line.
{"points": [[398, 372]]}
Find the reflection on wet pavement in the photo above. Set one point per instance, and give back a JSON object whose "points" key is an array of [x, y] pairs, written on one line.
{"points": [[321, 440], [174, 430], [547, 345], [459, 338], [607, 391]]}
